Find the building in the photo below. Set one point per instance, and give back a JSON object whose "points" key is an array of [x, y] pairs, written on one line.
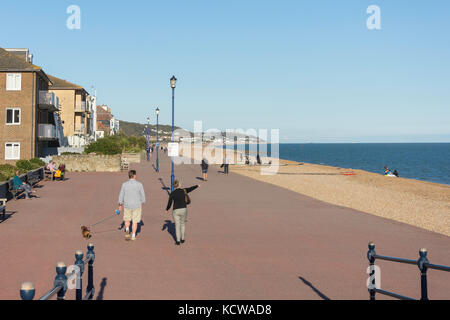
{"points": [[30, 125], [106, 122], [77, 111]]}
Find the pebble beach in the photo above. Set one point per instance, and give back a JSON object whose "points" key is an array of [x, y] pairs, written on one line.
{"points": [[418, 203]]}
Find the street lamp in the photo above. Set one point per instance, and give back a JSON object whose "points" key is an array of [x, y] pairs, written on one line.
{"points": [[148, 138], [157, 139], [173, 84]]}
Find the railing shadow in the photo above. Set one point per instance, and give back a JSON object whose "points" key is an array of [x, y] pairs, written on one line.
{"points": [[8, 215], [309, 284], [167, 189], [102, 289]]}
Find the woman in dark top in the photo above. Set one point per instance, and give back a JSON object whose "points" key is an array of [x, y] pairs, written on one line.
{"points": [[205, 166], [178, 198]]}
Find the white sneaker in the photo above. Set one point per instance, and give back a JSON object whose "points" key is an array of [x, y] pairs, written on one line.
{"points": [[133, 237]]}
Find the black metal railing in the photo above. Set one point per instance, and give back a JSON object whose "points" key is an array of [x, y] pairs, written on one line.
{"points": [[60, 284], [422, 263]]}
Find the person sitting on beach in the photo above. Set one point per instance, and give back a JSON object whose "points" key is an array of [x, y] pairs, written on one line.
{"points": [[387, 171], [18, 184]]}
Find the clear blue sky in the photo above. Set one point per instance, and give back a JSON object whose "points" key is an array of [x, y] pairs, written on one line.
{"points": [[309, 68]]}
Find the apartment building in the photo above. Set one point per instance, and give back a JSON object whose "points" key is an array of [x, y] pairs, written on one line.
{"points": [[106, 122], [30, 125], [77, 110]]}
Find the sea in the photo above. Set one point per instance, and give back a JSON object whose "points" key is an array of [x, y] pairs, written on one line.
{"points": [[420, 161]]}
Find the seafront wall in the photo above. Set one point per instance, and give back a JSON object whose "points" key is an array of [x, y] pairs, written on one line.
{"points": [[133, 157], [89, 162]]}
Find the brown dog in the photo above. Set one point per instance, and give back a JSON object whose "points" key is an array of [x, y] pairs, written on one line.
{"points": [[86, 232]]}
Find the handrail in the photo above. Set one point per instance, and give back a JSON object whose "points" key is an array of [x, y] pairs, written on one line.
{"points": [[395, 259], [51, 293], [394, 295], [437, 267], [422, 263], [27, 290]]}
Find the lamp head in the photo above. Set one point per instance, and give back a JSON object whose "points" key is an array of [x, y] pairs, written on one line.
{"points": [[157, 111], [173, 82]]}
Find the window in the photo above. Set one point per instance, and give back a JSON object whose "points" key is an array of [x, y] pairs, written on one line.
{"points": [[12, 151], [13, 81], [13, 116]]}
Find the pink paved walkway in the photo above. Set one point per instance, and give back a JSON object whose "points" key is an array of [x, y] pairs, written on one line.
{"points": [[245, 240]]}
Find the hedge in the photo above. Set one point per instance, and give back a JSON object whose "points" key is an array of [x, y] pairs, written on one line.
{"points": [[116, 144]]}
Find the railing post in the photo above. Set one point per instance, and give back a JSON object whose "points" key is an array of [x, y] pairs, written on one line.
{"points": [[27, 291], [79, 281], [423, 273], [91, 255], [371, 257], [61, 279]]}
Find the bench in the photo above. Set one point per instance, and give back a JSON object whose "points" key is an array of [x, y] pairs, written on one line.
{"points": [[48, 175], [3, 208], [15, 192], [33, 179]]}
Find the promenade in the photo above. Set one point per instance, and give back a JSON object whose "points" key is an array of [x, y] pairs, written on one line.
{"points": [[245, 240]]}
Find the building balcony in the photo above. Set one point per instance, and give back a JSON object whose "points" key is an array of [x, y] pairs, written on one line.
{"points": [[48, 101], [80, 106], [47, 132]]}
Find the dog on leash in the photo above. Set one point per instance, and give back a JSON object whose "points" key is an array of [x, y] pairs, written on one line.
{"points": [[86, 232]]}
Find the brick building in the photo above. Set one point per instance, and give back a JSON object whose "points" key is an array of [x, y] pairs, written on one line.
{"points": [[29, 120]]}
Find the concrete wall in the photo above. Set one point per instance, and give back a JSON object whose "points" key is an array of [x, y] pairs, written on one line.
{"points": [[133, 157], [89, 163]]}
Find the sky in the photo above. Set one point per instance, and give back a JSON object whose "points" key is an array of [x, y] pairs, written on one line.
{"points": [[311, 69]]}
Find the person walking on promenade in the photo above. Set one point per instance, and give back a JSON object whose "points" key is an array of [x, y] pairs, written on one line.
{"points": [[205, 166], [180, 199], [131, 198], [225, 165]]}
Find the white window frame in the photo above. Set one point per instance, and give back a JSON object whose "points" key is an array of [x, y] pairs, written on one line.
{"points": [[16, 84], [13, 145], [13, 123]]}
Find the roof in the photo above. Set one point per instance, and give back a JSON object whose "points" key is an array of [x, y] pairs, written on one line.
{"points": [[63, 84], [10, 62]]}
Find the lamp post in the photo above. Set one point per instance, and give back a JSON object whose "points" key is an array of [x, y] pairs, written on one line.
{"points": [[173, 84], [157, 139], [148, 138]]}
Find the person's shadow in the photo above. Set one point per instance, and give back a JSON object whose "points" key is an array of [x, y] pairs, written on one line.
{"points": [[138, 230], [170, 226]]}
